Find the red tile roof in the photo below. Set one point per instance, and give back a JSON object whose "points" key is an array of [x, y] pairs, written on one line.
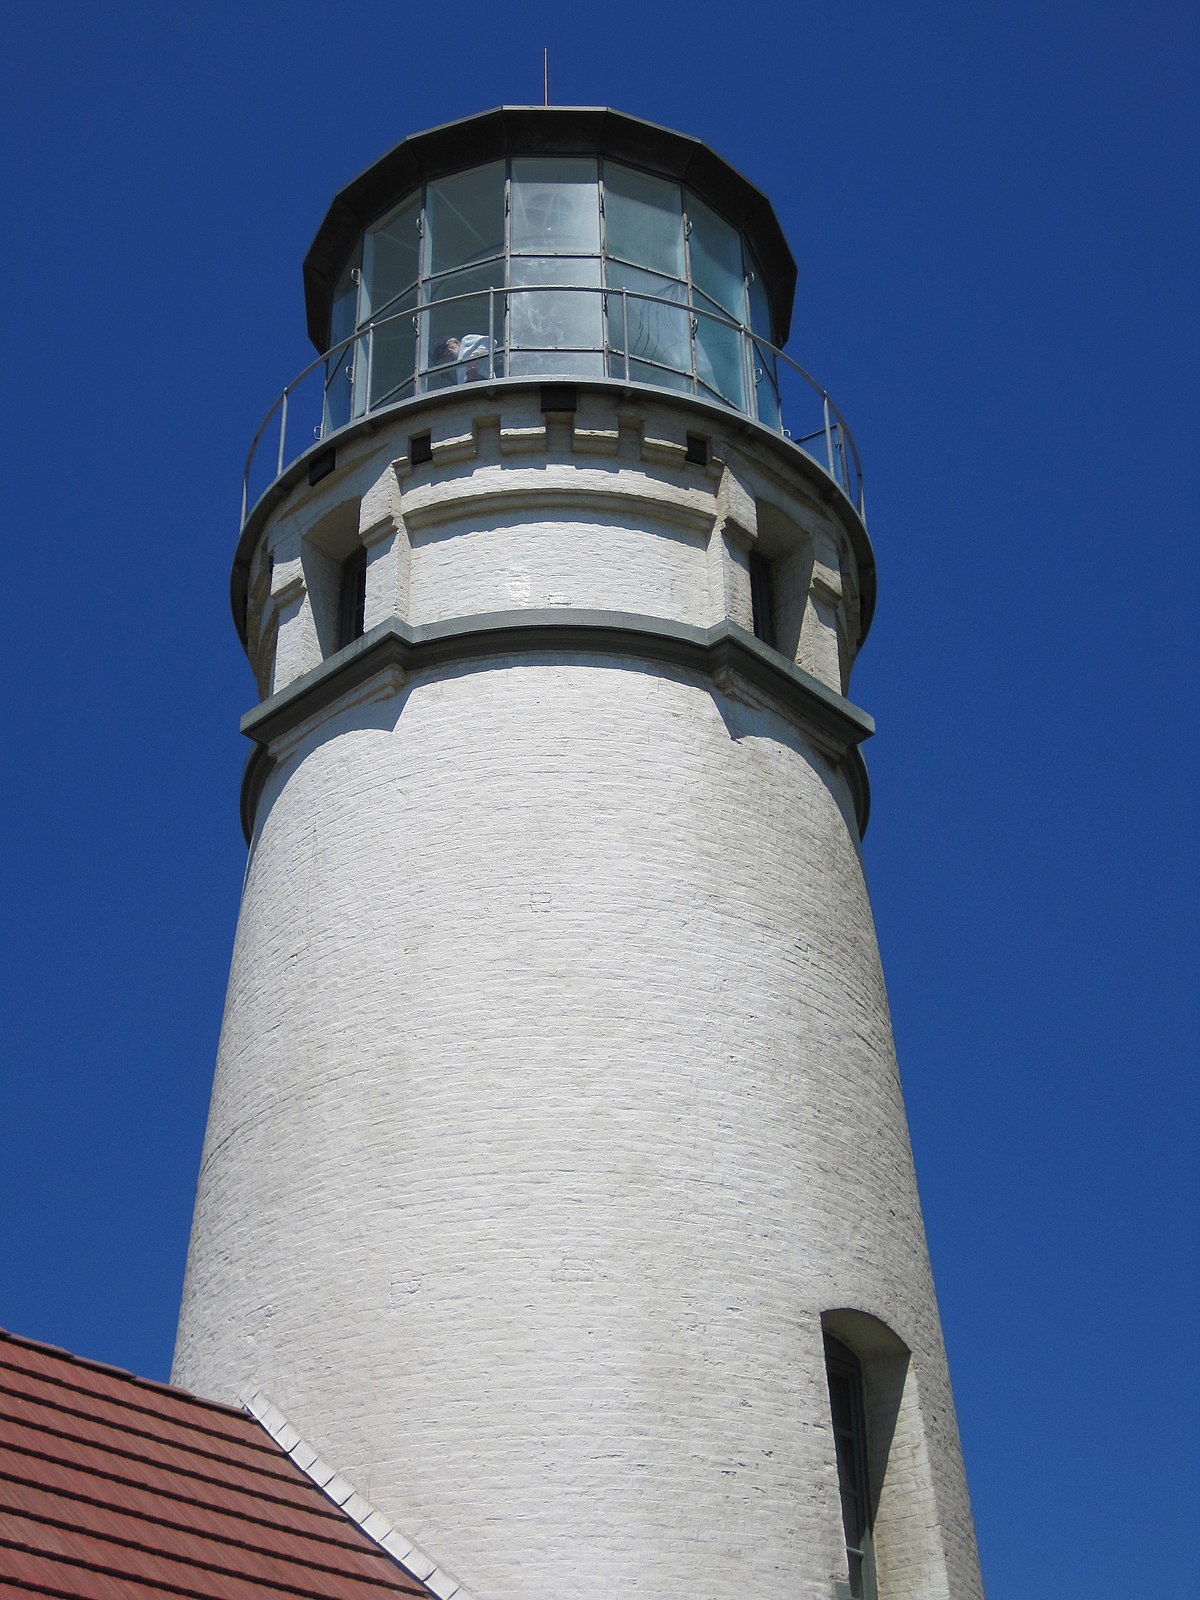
{"points": [[114, 1488]]}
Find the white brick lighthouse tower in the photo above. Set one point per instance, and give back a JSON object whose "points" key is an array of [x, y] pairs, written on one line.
{"points": [[557, 1186]]}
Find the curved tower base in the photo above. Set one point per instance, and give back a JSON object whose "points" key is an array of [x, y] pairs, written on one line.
{"points": [[557, 1122]]}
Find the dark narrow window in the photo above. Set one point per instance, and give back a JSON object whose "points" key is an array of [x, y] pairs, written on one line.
{"points": [[762, 598], [352, 598], [848, 1411], [322, 465], [559, 397]]}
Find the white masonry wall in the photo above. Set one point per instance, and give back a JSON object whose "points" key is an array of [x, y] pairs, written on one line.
{"points": [[556, 1099], [598, 512]]}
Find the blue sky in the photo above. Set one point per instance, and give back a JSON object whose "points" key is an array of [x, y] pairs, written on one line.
{"points": [[994, 213]]}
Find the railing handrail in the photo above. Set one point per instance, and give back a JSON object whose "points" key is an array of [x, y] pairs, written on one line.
{"points": [[755, 342]]}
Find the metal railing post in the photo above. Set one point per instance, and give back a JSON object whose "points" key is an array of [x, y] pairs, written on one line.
{"points": [[828, 435], [282, 433], [841, 455]]}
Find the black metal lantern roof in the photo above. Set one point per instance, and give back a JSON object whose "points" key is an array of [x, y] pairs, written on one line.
{"points": [[549, 131]]}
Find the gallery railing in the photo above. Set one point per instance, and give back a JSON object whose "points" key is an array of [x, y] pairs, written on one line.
{"points": [[535, 331]]}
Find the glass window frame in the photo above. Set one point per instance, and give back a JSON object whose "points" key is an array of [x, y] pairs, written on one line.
{"points": [[521, 253], [379, 313], [852, 1454], [616, 363]]}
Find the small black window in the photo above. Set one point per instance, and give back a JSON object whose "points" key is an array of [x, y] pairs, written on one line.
{"points": [[352, 598], [848, 1411], [322, 465], [559, 397], [762, 598]]}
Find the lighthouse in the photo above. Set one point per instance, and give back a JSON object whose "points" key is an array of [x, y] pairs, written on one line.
{"points": [[557, 1187]]}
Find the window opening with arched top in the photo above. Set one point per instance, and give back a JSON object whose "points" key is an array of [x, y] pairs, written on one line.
{"points": [[847, 1405]]}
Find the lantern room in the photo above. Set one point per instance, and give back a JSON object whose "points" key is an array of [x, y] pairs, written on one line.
{"points": [[549, 242], [533, 243]]}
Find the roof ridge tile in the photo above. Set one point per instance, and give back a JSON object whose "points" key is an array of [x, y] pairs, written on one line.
{"points": [[405, 1551]]}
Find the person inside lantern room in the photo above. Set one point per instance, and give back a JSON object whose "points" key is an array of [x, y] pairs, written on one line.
{"points": [[470, 351]]}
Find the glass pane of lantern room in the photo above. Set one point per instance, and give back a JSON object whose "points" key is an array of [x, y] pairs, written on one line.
{"points": [[393, 351], [767, 404], [716, 256], [463, 304], [721, 360], [659, 326], [760, 306], [339, 369], [390, 252], [558, 317], [555, 207], [462, 307], [465, 217], [766, 374], [342, 314], [643, 220], [339, 392]]}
